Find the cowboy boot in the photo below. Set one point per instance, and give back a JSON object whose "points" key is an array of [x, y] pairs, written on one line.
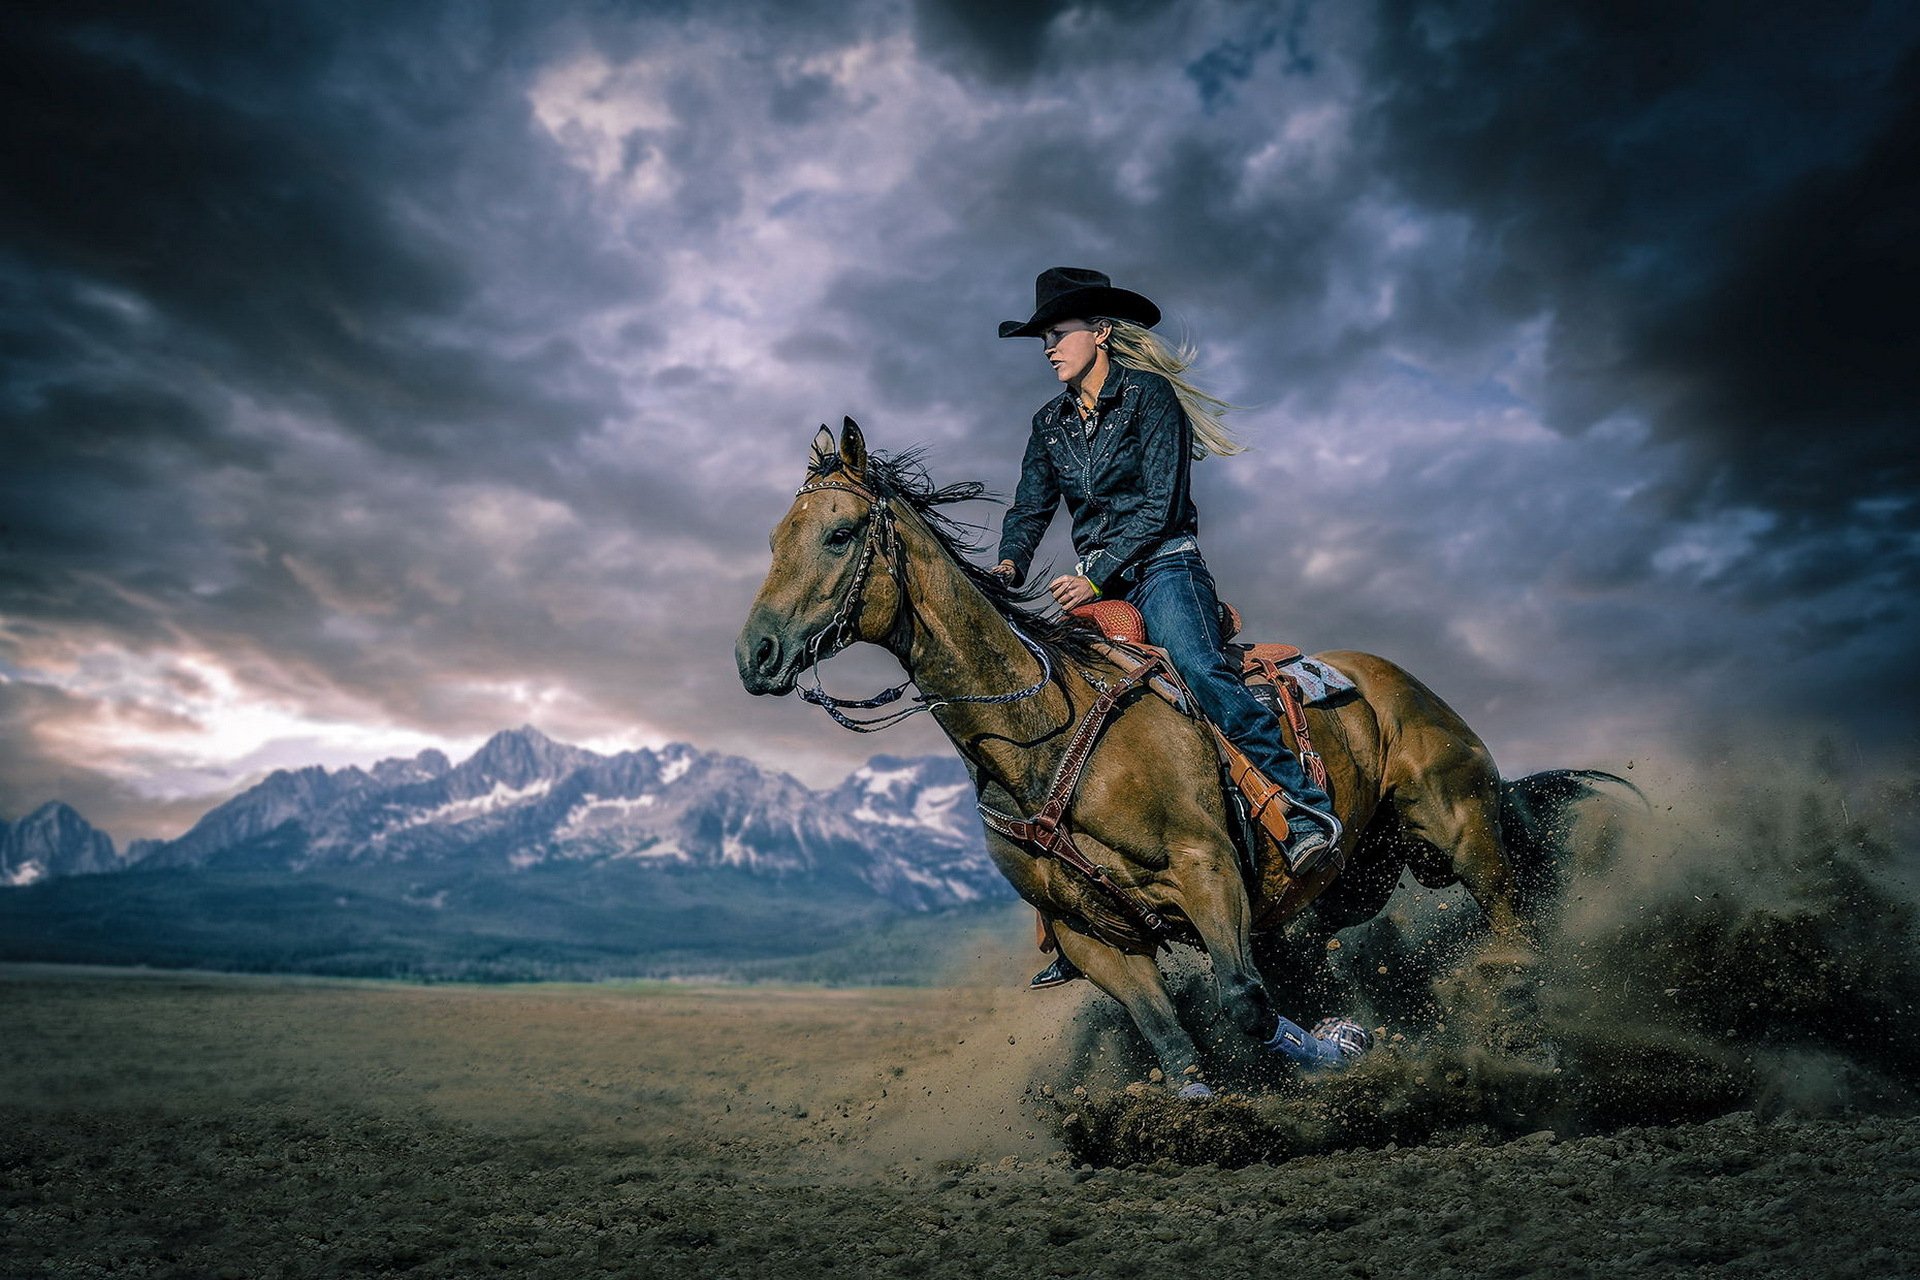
{"points": [[1059, 973]]}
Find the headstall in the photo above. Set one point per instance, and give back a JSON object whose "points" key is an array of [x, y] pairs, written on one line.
{"points": [[883, 538]]}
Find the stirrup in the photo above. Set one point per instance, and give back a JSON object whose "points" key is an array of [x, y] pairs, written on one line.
{"points": [[1309, 851]]}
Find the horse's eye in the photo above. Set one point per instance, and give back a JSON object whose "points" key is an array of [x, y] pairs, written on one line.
{"points": [[840, 537]]}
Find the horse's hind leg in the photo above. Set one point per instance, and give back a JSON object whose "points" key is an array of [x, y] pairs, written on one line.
{"points": [[1498, 991], [1457, 812], [1135, 981]]}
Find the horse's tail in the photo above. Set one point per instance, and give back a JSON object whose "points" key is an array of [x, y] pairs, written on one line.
{"points": [[1537, 820]]}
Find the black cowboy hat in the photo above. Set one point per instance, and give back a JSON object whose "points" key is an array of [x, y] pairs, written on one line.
{"points": [[1075, 293]]}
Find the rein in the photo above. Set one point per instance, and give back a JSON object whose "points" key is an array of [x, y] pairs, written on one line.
{"points": [[883, 537]]}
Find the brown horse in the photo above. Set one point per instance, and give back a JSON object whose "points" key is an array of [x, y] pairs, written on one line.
{"points": [[864, 554]]}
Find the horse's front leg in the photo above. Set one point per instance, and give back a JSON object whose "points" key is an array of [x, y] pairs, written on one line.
{"points": [[1135, 981], [1215, 903]]}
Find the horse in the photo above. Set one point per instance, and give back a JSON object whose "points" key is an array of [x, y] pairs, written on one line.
{"points": [[865, 554]]}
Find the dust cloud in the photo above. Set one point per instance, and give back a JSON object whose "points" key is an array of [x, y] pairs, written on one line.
{"points": [[964, 1106], [1744, 940]]}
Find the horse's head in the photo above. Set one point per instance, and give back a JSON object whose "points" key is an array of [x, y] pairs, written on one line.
{"points": [[835, 575]]}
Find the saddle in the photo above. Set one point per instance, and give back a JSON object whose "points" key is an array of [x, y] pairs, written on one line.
{"points": [[1264, 668]]}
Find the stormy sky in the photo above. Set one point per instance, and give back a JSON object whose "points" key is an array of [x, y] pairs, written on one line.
{"points": [[380, 376]]}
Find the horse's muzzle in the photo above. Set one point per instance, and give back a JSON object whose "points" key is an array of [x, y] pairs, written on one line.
{"points": [[764, 660]]}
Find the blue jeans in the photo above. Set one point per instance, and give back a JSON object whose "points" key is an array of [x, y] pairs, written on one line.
{"points": [[1175, 594]]}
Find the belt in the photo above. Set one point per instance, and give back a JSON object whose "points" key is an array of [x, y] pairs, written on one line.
{"points": [[1171, 547], [1174, 546]]}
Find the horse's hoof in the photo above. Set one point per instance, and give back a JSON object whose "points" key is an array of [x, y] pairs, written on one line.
{"points": [[1195, 1089]]}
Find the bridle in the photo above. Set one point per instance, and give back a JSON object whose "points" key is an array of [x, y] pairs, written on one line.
{"points": [[1046, 834], [883, 538]]}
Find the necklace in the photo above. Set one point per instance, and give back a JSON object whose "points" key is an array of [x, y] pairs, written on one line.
{"points": [[1085, 446]]}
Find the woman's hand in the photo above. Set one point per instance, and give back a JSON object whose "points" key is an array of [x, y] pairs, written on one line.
{"points": [[1005, 572], [1070, 591]]}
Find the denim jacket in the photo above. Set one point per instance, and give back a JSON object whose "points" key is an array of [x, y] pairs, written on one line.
{"points": [[1126, 483]]}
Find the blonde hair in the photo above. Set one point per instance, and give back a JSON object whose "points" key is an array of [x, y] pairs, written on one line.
{"points": [[1139, 348]]}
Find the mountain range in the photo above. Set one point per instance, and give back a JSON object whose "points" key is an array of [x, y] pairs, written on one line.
{"points": [[531, 858], [53, 840]]}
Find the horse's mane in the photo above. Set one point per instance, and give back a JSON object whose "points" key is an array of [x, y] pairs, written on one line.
{"points": [[902, 477]]}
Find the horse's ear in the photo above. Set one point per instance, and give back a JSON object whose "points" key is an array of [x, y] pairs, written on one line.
{"points": [[822, 451], [853, 448]]}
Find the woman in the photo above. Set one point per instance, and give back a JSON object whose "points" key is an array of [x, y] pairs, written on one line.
{"points": [[1117, 445]]}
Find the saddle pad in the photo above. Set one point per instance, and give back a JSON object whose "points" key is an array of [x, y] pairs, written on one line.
{"points": [[1318, 682]]}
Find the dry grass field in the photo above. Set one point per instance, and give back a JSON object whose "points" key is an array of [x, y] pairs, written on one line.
{"points": [[213, 1126]]}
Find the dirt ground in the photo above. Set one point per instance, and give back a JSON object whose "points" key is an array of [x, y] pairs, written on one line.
{"points": [[183, 1125]]}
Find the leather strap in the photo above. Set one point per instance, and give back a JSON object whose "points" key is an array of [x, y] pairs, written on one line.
{"points": [[1047, 832], [1261, 791], [1267, 802], [1266, 664], [842, 629], [1264, 660], [1293, 706]]}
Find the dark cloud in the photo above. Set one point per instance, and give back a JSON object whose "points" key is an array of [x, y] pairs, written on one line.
{"points": [[1799, 363], [1219, 71], [1004, 42], [1715, 203], [276, 218], [270, 337], [1000, 40]]}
